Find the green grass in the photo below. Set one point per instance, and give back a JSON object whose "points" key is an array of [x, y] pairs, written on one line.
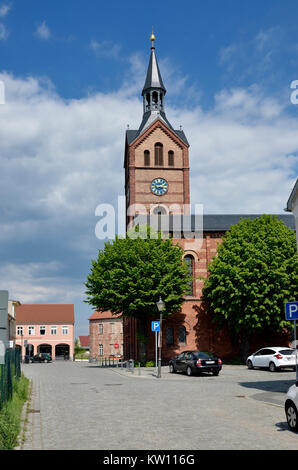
{"points": [[10, 414]]}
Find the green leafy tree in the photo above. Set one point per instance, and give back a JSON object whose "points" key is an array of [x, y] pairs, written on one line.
{"points": [[130, 274], [254, 273]]}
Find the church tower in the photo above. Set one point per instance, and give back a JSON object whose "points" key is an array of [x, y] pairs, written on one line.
{"points": [[156, 158]]}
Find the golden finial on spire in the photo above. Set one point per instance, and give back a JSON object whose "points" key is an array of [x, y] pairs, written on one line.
{"points": [[152, 37]]}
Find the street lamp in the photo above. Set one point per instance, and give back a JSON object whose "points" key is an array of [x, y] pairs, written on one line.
{"points": [[160, 306]]}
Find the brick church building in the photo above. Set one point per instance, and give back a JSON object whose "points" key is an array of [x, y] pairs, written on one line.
{"points": [[156, 164]]}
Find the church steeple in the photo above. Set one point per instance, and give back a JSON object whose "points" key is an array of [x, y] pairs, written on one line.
{"points": [[153, 92], [154, 89]]}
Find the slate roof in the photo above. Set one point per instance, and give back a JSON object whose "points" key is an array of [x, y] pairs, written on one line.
{"points": [[224, 221], [292, 197], [131, 134], [153, 77], [211, 222]]}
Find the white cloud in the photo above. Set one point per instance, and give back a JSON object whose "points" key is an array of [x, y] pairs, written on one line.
{"points": [[4, 9], [43, 31], [39, 283], [3, 32], [105, 48]]}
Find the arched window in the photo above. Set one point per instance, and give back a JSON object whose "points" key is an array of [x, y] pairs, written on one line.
{"points": [[159, 210], [189, 261], [170, 336], [158, 150], [147, 158], [155, 97], [171, 158], [182, 335], [101, 350]]}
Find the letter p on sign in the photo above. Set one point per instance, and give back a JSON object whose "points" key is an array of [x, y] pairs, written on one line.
{"points": [[291, 310]]}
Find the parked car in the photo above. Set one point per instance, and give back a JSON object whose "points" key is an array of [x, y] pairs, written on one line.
{"points": [[195, 362], [41, 357], [273, 358], [291, 407]]}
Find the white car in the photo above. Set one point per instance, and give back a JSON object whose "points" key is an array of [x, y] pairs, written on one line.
{"points": [[273, 358], [291, 407]]}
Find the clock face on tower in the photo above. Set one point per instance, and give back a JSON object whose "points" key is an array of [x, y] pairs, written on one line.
{"points": [[159, 186]]}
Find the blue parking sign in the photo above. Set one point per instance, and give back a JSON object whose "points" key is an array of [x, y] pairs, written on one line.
{"points": [[291, 310], [155, 326]]}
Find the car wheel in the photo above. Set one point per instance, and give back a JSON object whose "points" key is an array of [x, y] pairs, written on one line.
{"points": [[189, 371], [292, 416], [249, 364], [215, 372], [272, 367], [172, 369]]}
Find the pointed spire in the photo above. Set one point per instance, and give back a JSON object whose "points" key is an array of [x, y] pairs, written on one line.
{"points": [[153, 78], [153, 93]]}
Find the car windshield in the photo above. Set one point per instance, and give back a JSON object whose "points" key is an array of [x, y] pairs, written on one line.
{"points": [[202, 355], [287, 352]]}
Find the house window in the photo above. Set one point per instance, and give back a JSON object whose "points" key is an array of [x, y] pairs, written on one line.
{"points": [[189, 261], [20, 331], [42, 330], [158, 152], [112, 328], [182, 335], [171, 158], [100, 328], [53, 330], [101, 350], [170, 336], [65, 330], [31, 331], [147, 158]]}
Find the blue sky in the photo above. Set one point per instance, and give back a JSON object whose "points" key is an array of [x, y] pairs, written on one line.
{"points": [[73, 72]]}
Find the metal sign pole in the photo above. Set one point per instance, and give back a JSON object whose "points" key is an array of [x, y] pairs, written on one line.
{"points": [[296, 350], [156, 352]]}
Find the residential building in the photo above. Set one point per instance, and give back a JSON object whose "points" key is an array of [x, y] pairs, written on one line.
{"points": [[47, 328], [11, 322], [8, 319], [106, 335], [84, 342]]}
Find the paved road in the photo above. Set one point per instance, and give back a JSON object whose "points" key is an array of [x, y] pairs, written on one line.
{"points": [[81, 406]]}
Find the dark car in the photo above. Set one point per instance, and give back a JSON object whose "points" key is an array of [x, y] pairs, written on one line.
{"points": [[195, 362], [41, 357]]}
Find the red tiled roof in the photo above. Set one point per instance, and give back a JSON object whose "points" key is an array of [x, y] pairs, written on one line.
{"points": [[102, 315], [45, 313], [84, 340]]}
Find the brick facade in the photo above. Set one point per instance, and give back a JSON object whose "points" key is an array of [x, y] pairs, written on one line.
{"points": [[192, 327], [105, 331]]}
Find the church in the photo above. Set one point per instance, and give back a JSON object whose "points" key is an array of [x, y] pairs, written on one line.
{"points": [[157, 173]]}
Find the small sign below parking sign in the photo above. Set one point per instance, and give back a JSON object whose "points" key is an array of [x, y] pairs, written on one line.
{"points": [[155, 326], [291, 310]]}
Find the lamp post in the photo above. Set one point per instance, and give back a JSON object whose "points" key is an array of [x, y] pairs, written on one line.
{"points": [[161, 306]]}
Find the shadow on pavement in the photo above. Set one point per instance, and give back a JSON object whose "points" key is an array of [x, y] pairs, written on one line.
{"points": [[277, 386]]}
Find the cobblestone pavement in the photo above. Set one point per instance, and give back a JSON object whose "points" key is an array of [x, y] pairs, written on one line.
{"points": [[79, 406]]}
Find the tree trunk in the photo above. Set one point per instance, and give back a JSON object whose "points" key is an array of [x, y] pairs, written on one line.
{"points": [[142, 339], [244, 347]]}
